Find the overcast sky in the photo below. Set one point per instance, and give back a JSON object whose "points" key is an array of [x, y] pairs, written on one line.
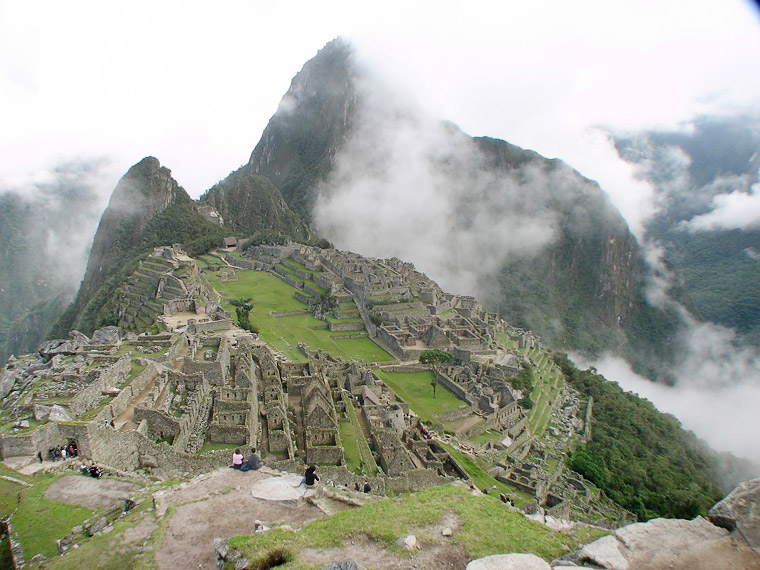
{"points": [[194, 84]]}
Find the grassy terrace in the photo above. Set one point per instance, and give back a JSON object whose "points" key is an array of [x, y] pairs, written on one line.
{"points": [[269, 294], [487, 527], [293, 263], [357, 452], [478, 472], [38, 520], [415, 389], [485, 437], [548, 382]]}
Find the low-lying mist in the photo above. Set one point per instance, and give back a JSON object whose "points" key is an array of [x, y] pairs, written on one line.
{"points": [[409, 186], [717, 389], [56, 212]]}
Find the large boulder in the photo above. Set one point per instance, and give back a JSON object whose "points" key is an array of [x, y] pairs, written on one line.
{"points": [[740, 511], [7, 381], [41, 412], [50, 348], [59, 414], [107, 336], [78, 338], [669, 544], [509, 562], [606, 553]]}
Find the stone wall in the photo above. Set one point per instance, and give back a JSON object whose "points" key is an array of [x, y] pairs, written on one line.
{"points": [[47, 436], [179, 346], [157, 424], [131, 450], [342, 327], [287, 278], [219, 433], [304, 298], [453, 387], [211, 326], [112, 377], [198, 404], [324, 455], [112, 410], [415, 480]]}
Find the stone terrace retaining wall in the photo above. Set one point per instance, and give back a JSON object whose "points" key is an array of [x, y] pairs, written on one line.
{"points": [[129, 393], [131, 450], [113, 377]]}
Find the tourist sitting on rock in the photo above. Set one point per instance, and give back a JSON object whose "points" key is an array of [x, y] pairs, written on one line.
{"points": [[310, 478], [254, 461], [95, 472], [237, 459], [366, 487], [83, 469]]}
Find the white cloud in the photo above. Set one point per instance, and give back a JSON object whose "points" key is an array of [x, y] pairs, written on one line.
{"points": [[717, 389], [409, 186], [737, 210]]}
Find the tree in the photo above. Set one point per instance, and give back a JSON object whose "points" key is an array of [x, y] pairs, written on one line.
{"points": [[436, 355], [243, 308]]}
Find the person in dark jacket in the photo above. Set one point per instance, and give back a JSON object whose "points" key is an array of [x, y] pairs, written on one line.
{"points": [[254, 461], [310, 478]]}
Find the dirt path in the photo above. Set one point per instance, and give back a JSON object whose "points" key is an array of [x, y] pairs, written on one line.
{"points": [[219, 505], [90, 492]]}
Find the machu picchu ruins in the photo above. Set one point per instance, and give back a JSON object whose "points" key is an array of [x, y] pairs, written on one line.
{"points": [[178, 384]]}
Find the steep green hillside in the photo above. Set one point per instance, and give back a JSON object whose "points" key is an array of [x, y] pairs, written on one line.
{"points": [[250, 203], [147, 209], [643, 459]]}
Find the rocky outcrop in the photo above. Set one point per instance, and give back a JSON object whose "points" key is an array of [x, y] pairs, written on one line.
{"points": [[298, 146], [108, 336], [739, 512], [509, 562], [666, 544]]}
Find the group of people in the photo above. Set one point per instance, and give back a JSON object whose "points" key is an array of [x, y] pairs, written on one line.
{"points": [[425, 432], [61, 452], [310, 477], [92, 470], [254, 461]]}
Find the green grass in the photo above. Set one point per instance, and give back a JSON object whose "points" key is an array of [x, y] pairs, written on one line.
{"points": [[488, 527], [136, 369], [9, 491], [485, 437], [350, 446], [40, 521], [269, 294], [479, 475], [332, 319], [108, 551], [415, 389], [544, 393], [365, 454], [300, 266]]}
